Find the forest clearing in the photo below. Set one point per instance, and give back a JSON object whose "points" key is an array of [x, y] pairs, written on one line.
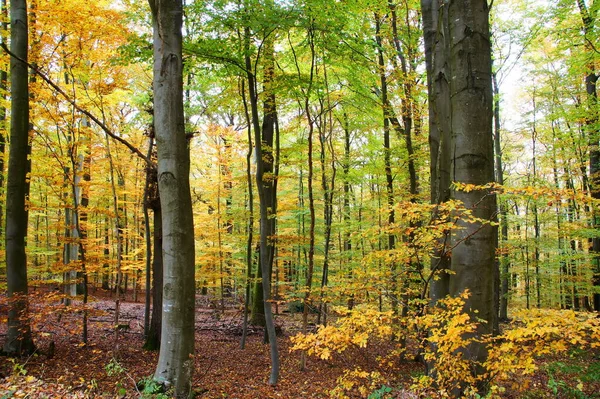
{"points": [[300, 199]]}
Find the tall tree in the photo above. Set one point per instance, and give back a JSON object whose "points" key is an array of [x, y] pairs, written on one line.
{"points": [[588, 18], [18, 339], [175, 362], [266, 142], [472, 159], [468, 57]]}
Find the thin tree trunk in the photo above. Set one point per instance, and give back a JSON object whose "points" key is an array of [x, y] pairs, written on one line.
{"points": [[153, 339], [119, 248], [3, 111], [385, 104], [311, 199], [347, 245], [435, 22], [250, 228], [504, 258], [266, 181]]}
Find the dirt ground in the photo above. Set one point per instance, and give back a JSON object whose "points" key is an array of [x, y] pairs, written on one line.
{"points": [[110, 368], [111, 365]]}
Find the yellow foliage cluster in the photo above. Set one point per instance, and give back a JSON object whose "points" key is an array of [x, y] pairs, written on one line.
{"points": [[362, 381], [446, 335], [535, 333], [449, 332], [354, 329]]}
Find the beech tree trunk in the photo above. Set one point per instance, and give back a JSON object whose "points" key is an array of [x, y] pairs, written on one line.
{"points": [[472, 162], [460, 55], [154, 331], [3, 111], [266, 181], [18, 338], [175, 362]]}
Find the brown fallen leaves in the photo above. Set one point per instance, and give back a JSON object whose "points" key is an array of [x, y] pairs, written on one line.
{"points": [[223, 370]]}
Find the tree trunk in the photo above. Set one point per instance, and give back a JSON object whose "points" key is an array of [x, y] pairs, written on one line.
{"points": [[504, 261], [438, 77], [591, 122], [347, 246], [386, 107], [472, 162], [266, 182], [464, 62], [175, 362], [3, 111], [18, 338], [311, 198], [154, 332], [250, 228]]}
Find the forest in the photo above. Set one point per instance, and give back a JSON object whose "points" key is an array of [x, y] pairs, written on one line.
{"points": [[299, 199]]}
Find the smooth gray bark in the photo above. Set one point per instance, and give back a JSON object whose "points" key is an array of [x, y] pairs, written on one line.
{"points": [[472, 162], [176, 358], [18, 338], [458, 59]]}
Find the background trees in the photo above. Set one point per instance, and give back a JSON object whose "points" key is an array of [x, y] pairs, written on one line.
{"points": [[366, 146]]}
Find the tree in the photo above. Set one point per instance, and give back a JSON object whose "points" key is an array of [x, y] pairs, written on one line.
{"points": [[468, 58], [175, 362], [588, 18], [18, 340]]}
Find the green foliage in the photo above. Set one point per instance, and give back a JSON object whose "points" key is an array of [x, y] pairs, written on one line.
{"points": [[381, 393], [570, 378], [114, 368], [17, 367], [152, 389]]}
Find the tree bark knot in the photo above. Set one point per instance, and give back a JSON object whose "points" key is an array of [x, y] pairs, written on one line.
{"points": [[167, 177], [168, 60]]}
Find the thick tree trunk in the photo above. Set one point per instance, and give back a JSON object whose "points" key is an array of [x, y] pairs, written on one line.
{"points": [[18, 338], [458, 55], [472, 162], [175, 362]]}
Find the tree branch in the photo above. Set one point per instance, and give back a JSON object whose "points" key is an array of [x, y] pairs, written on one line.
{"points": [[105, 128]]}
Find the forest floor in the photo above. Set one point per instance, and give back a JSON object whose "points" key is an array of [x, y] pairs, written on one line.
{"points": [[109, 366]]}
